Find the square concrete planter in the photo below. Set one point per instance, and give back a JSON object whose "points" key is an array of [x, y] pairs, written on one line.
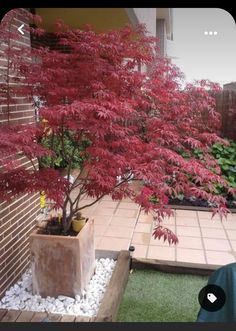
{"points": [[62, 265], [109, 305]]}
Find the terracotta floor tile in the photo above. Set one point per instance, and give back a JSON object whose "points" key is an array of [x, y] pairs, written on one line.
{"points": [[127, 200], [126, 212], [230, 217], [169, 221], [113, 243], [105, 211], [190, 255], [219, 258], [213, 233], [148, 218], [128, 205], [231, 234], [141, 238], [233, 243], [87, 200], [99, 230], [158, 242], [216, 244], [207, 215], [97, 241], [102, 220], [143, 213], [140, 251], [123, 221], [189, 242], [188, 231], [186, 213], [161, 253], [108, 204], [229, 224], [170, 227], [118, 231], [142, 227], [186, 221], [84, 203], [88, 213], [208, 223], [107, 198]]}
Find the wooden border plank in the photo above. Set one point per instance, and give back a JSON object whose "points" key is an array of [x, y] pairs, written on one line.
{"points": [[111, 301], [25, 316], [54, 317], [82, 319], [2, 313], [11, 315], [175, 267], [67, 318], [39, 317]]}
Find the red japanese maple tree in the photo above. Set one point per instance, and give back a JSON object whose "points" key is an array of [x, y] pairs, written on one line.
{"points": [[136, 124]]}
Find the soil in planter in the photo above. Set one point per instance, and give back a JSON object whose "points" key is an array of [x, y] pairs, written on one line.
{"points": [[54, 227]]}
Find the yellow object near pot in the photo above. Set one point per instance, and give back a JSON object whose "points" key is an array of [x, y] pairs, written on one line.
{"points": [[42, 199], [77, 225]]}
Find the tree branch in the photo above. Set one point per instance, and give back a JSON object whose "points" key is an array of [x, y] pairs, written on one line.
{"points": [[92, 203]]}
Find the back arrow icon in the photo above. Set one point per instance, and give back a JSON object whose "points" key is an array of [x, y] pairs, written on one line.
{"points": [[20, 29]]}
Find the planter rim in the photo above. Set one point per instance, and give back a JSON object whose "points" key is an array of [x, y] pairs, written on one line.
{"points": [[49, 236]]}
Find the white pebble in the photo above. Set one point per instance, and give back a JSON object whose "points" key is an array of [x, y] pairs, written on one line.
{"points": [[20, 295]]}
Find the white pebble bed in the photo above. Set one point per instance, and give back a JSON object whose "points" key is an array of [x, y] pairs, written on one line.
{"points": [[20, 296]]}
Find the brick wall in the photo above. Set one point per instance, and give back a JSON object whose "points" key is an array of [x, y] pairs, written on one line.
{"points": [[230, 86], [49, 39], [226, 106], [17, 219]]}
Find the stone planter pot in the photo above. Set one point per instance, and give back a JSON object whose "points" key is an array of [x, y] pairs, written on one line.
{"points": [[109, 305], [62, 265]]}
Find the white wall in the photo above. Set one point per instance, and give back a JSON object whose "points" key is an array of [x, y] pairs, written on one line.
{"points": [[143, 15]]}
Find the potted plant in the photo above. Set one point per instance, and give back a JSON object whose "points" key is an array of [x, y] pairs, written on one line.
{"points": [[132, 123], [78, 222]]}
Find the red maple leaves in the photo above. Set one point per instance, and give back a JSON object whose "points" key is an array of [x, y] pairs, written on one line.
{"points": [[136, 123]]}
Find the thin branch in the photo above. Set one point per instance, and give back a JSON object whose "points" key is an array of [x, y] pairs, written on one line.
{"points": [[78, 198], [92, 203], [51, 147]]}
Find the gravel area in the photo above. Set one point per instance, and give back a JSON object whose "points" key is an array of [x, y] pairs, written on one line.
{"points": [[20, 295]]}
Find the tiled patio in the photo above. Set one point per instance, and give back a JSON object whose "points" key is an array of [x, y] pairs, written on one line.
{"points": [[201, 239]]}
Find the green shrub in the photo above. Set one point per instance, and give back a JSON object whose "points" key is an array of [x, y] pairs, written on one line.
{"points": [[226, 158], [63, 151]]}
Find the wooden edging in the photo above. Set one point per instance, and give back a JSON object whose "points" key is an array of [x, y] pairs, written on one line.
{"points": [[196, 208], [30, 316], [175, 267], [110, 304], [108, 308]]}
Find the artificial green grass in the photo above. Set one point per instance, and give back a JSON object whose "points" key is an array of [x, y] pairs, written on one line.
{"points": [[153, 296]]}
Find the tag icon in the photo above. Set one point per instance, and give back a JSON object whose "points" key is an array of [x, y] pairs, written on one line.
{"points": [[211, 297]]}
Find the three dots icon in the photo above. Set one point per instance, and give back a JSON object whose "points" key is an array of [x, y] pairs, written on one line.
{"points": [[210, 33]]}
